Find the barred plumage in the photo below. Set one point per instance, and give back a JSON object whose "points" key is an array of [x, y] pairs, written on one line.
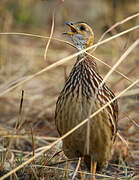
{"points": [[74, 103]]}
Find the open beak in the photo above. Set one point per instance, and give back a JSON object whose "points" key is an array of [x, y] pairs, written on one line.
{"points": [[72, 27]]}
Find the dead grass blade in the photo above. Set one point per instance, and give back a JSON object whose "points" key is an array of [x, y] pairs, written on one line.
{"points": [[19, 122], [51, 34], [24, 136], [76, 170], [137, 125], [133, 92], [68, 133], [33, 144], [52, 29], [122, 139], [115, 25], [36, 36]]}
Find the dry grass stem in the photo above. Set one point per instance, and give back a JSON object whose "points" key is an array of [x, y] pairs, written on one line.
{"points": [[137, 125], [76, 170], [36, 36], [115, 25], [51, 34], [122, 139], [23, 136], [33, 145], [132, 92]]}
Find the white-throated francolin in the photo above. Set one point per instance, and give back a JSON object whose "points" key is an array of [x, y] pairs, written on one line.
{"points": [[74, 103]]}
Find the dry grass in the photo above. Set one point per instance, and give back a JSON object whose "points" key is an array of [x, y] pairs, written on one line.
{"points": [[28, 146]]}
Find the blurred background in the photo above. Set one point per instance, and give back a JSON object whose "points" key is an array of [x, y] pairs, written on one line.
{"points": [[21, 56]]}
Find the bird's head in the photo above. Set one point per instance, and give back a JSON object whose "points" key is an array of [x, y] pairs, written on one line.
{"points": [[81, 35]]}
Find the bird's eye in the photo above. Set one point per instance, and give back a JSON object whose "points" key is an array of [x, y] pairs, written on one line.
{"points": [[82, 28]]}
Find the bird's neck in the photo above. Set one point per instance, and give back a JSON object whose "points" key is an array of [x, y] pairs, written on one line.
{"points": [[84, 44], [89, 44], [83, 47], [84, 53], [86, 59]]}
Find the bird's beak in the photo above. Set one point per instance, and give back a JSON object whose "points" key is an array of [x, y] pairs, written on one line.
{"points": [[72, 27]]}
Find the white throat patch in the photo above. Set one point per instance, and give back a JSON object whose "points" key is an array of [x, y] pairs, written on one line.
{"points": [[79, 41]]}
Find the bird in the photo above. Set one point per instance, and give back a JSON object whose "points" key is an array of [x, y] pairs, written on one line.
{"points": [[80, 93]]}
